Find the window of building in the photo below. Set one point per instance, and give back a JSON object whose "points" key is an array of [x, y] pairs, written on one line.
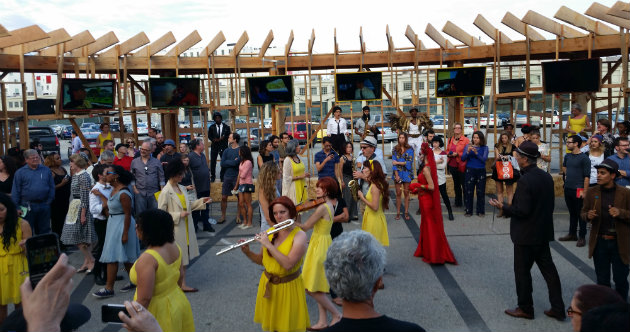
{"points": [[324, 90], [407, 86], [302, 91], [313, 91], [242, 93], [421, 84], [489, 81], [222, 94], [431, 85], [10, 104], [393, 86]]}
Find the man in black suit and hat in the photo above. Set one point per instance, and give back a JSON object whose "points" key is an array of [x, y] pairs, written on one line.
{"points": [[531, 229], [217, 135]]}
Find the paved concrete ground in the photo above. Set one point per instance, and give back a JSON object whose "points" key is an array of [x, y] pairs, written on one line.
{"points": [[470, 296]]}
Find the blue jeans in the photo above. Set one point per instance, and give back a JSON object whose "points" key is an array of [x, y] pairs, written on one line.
{"points": [[605, 255], [144, 202], [39, 218], [475, 178]]}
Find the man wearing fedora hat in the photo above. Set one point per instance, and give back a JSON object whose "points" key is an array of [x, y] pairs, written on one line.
{"points": [[369, 151], [606, 207], [531, 230], [218, 136]]}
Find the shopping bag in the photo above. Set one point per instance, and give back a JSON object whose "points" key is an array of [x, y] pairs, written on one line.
{"points": [[505, 171]]}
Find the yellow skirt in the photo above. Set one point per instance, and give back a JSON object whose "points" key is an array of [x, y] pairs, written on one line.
{"points": [[313, 269], [172, 311], [11, 277], [285, 310], [374, 223]]}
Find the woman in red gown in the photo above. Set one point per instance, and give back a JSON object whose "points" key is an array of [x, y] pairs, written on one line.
{"points": [[433, 246]]}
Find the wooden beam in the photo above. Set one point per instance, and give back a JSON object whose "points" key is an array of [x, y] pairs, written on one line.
{"points": [[311, 42], [4, 32], [600, 12], [361, 42], [542, 22], [191, 40], [266, 43], [79, 40], [517, 25], [574, 18], [98, 45], [214, 44], [620, 9], [22, 36], [56, 37], [437, 37], [458, 33], [152, 49], [238, 47], [412, 37], [287, 48], [128, 45], [489, 29]]}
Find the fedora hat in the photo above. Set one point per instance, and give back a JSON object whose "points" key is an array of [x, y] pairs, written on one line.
{"points": [[610, 165], [528, 149]]}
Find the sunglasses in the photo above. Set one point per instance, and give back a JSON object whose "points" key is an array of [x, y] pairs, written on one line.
{"points": [[110, 173]]}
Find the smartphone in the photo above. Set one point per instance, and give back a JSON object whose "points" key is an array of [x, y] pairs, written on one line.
{"points": [[42, 253], [109, 313]]}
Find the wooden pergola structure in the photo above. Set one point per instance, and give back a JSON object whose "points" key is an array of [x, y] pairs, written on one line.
{"points": [[599, 32]]}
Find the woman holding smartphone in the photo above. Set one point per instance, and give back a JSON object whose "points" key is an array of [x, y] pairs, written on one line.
{"points": [[402, 163], [14, 231], [476, 155]]}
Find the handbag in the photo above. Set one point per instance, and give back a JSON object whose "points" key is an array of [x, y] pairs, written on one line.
{"points": [[505, 171], [73, 211]]}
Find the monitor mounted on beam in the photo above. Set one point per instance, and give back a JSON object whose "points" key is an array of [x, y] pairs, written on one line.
{"points": [[460, 82], [572, 76], [82, 95], [358, 86], [174, 92], [272, 90]]}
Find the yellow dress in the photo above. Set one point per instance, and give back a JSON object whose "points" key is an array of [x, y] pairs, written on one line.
{"points": [[102, 139], [300, 191], [313, 271], [169, 305], [374, 221], [12, 263], [285, 309], [577, 125]]}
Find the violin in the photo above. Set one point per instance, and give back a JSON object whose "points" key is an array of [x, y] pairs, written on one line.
{"points": [[310, 204]]}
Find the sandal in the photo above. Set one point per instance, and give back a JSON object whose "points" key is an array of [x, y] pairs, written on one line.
{"points": [[407, 217], [397, 217]]}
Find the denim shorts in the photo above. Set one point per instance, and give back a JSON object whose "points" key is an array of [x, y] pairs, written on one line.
{"points": [[246, 188]]}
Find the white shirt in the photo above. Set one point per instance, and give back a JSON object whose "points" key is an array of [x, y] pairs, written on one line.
{"points": [[96, 205], [219, 129], [441, 168], [414, 129], [76, 144], [378, 156], [332, 126]]}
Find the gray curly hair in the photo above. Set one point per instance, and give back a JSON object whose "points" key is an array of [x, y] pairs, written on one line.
{"points": [[291, 148], [354, 262]]}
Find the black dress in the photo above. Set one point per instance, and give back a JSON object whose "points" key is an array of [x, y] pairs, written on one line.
{"points": [[504, 152], [266, 158], [7, 185], [59, 206]]}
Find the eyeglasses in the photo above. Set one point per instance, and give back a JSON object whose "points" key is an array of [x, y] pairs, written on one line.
{"points": [[364, 147], [145, 150], [570, 142], [110, 173], [571, 312]]}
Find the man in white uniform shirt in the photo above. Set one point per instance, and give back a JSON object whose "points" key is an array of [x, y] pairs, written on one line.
{"points": [[98, 208], [337, 129], [415, 135], [76, 143]]}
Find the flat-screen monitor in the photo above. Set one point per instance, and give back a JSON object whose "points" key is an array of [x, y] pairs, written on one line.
{"points": [[460, 82], [40, 107], [270, 90], [87, 94], [173, 92], [358, 86], [572, 76]]}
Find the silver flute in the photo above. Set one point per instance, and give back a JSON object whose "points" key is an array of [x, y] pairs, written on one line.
{"points": [[278, 227]]}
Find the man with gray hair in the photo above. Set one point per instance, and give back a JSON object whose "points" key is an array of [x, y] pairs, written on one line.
{"points": [[149, 179], [34, 189], [107, 157], [354, 265]]}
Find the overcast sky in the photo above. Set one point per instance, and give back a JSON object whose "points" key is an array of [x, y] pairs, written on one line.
{"points": [[156, 17]]}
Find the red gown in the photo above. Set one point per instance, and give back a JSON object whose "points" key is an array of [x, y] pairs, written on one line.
{"points": [[433, 246]]}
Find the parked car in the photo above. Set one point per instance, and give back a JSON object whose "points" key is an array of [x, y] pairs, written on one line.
{"points": [[115, 127], [386, 134], [439, 124], [57, 128], [267, 123], [254, 137], [46, 136], [92, 138], [483, 122], [143, 129], [298, 130], [66, 132]]}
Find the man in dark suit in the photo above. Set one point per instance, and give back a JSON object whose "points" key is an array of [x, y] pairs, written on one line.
{"points": [[217, 134], [531, 229]]}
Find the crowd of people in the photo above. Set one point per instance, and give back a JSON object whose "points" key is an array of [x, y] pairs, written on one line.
{"points": [[156, 196]]}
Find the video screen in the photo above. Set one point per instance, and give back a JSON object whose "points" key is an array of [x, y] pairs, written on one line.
{"points": [[460, 82], [572, 76], [40, 107], [270, 90], [174, 92], [358, 86], [87, 94]]}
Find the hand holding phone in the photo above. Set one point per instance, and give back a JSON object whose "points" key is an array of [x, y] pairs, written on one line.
{"points": [[109, 313], [42, 253]]}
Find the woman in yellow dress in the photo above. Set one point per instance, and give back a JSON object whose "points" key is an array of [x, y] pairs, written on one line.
{"points": [[376, 200], [577, 122], [13, 267], [281, 302], [293, 175], [313, 273], [104, 135], [174, 199], [158, 273]]}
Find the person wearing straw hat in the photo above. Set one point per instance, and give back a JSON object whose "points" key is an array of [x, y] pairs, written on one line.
{"points": [[606, 207], [531, 230]]}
